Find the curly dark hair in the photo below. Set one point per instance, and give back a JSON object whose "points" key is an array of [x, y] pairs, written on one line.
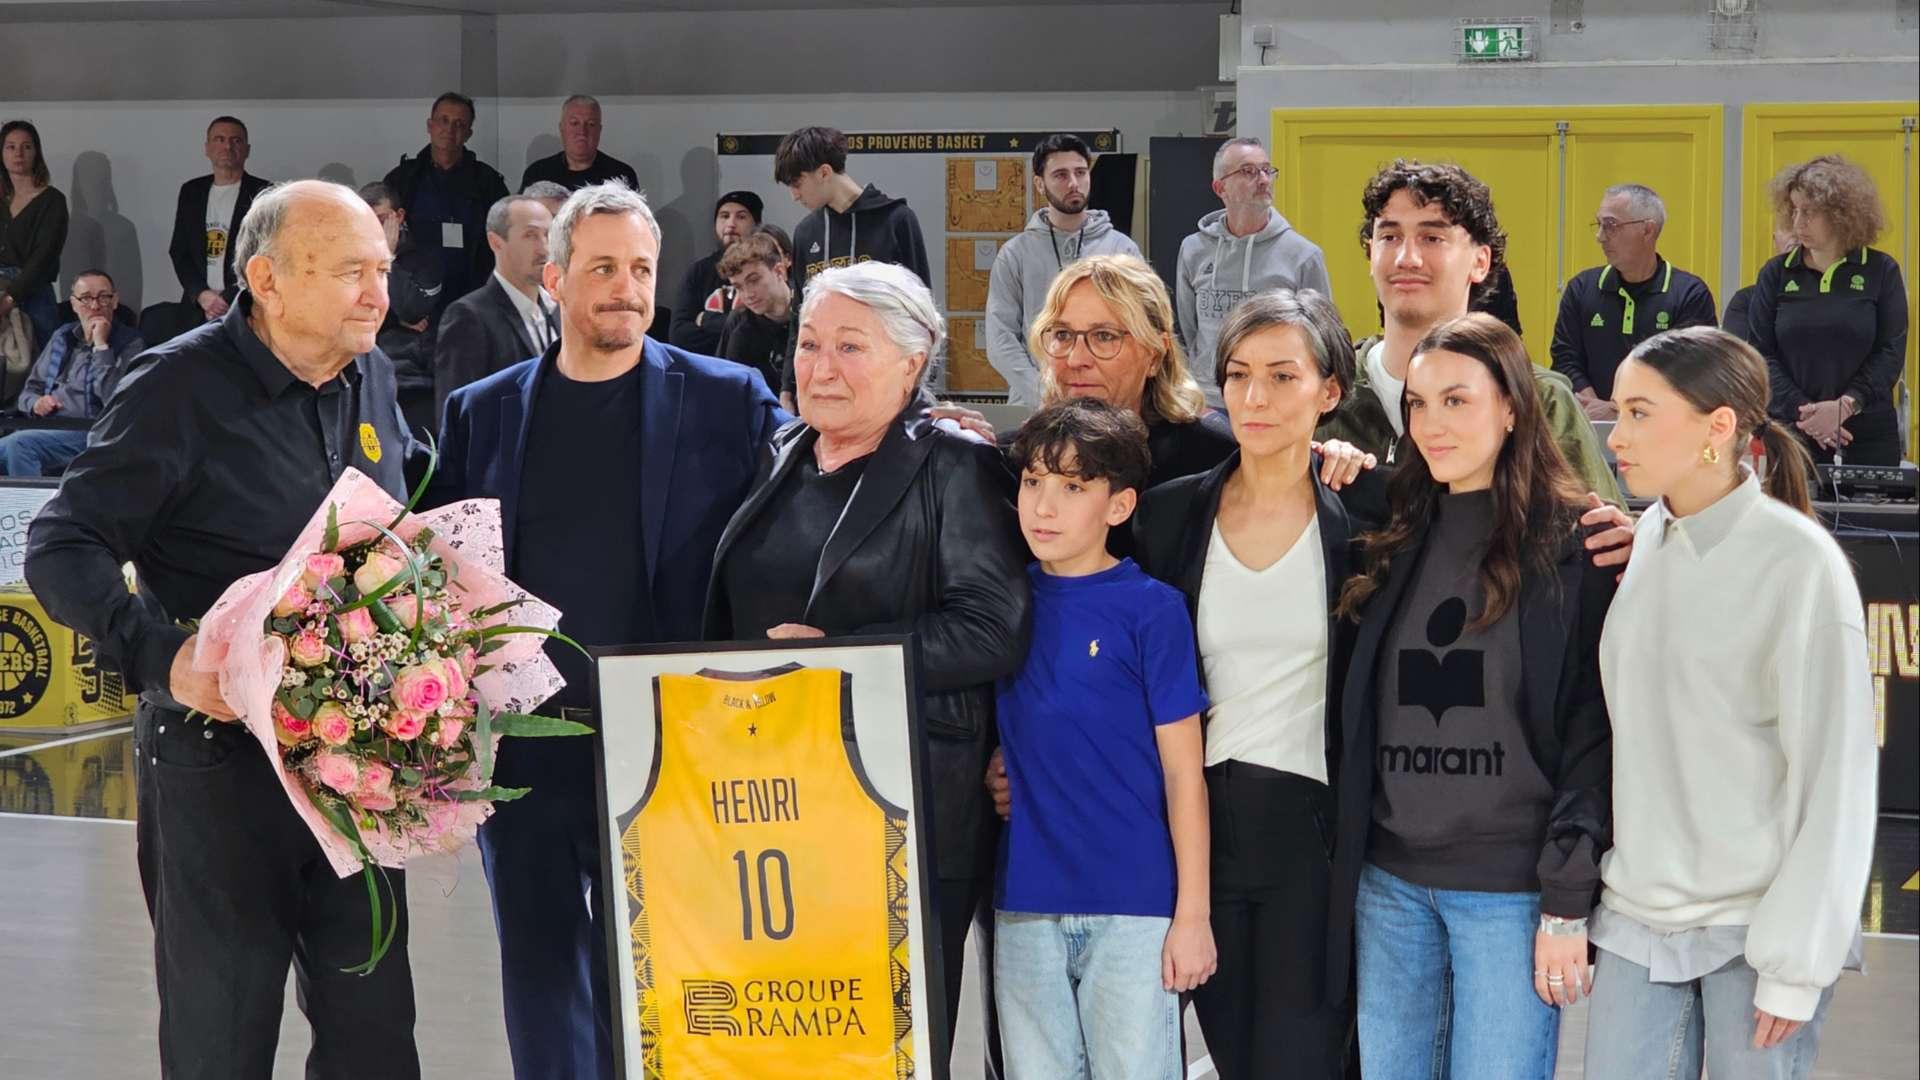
{"points": [[1467, 202], [1108, 443], [1837, 188], [1537, 497]]}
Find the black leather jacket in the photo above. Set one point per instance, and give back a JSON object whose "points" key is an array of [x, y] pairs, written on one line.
{"points": [[929, 545]]}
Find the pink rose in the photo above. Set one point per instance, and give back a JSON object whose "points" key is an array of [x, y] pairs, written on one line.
{"points": [[409, 610], [288, 728], [337, 771], [321, 569], [404, 724], [307, 649], [332, 724], [456, 678], [380, 567], [376, 800], [469, 662], [356, 625], [447, 735], [293, 601], [375, 776], [420, 688]]}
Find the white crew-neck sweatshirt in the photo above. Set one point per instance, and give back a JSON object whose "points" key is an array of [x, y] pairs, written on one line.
{"points": [[1735, 666]]}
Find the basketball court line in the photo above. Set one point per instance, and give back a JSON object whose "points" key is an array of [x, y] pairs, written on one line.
{"points": [[88, 737]]}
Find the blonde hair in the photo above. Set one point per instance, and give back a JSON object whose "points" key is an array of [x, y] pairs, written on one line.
{"points": [[1139, 301]]}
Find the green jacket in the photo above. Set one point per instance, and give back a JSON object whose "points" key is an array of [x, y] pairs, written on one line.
{"points": [[1362, 421]]}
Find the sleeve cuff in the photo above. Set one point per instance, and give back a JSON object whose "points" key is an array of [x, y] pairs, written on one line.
{"points": [[1564, 903], [1787, 1001], [152, 665]]}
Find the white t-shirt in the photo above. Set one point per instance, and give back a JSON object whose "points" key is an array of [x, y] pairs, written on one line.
{"points": [[221, 199], [1263, 646], [1389, 389]]}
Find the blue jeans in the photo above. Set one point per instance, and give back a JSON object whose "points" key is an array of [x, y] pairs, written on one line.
{"points": [[1080, 992], [1637, 1027], [1446, 984], [39, 453]]}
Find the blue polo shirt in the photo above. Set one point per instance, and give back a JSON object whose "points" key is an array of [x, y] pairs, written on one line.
{"points": [[1112, 659]]}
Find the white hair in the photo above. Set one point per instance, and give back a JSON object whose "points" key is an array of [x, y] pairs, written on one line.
{"points": [[897, 296], [611, 197], [1643, 202], [1220, 155], [580, 99]]}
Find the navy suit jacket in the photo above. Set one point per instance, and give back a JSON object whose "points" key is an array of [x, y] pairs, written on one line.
{"points": [[705, 424]]}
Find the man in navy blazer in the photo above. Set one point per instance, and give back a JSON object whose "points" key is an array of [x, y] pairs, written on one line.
{"points": [[618, 461]]}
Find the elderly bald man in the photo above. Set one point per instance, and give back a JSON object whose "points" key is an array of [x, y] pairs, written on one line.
{"points": [[208, 461]]}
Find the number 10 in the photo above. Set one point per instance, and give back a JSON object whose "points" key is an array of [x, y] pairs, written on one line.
{"points": [[766, 909]]}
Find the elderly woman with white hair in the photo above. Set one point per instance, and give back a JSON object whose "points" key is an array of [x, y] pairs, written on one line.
{"points": [[868, 517]]}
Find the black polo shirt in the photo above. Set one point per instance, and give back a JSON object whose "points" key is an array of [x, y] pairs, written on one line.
{"points": [[1603, 317], [206, 465], [1833, 332]]}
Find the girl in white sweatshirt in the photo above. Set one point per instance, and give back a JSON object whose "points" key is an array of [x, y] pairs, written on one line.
{"points": [[1735, 665]]}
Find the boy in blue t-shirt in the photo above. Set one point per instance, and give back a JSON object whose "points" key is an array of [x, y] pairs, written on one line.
{"points": [[1102, 901]]}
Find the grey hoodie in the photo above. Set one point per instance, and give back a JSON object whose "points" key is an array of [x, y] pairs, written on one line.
{"points": [[1022, 273], [1219, 269]]}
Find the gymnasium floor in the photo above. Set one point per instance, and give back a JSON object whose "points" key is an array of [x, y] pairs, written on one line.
{"points": [[76, 969]]}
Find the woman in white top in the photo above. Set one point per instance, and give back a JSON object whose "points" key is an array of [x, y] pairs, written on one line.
{"points": [[1260, 548], [1735, 666]]}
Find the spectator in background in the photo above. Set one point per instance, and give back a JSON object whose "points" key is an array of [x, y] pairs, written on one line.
{"points": [[1736, 320], [579, 161], [1830, 316], [413, 284], [1606, 310], [33, 229], [209, 211], [1238, 251], [72, 379], [1022, 271], [759, 329], [705, 296], [547, 194], [446, 192], [508, 319]]}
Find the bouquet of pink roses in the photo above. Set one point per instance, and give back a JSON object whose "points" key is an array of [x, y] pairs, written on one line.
{"points": [[379, 665]]}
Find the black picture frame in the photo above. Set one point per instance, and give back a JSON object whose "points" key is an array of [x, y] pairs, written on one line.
{"points": [[933, 1064]]}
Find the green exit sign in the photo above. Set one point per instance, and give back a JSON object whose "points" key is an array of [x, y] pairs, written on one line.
{"points": [[1496, 41]]}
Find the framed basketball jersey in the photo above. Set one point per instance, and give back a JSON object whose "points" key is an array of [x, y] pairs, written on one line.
{"points": [[769, 913]]}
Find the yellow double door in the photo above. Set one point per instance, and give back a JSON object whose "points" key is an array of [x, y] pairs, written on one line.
{"points": [[1548, 166]]}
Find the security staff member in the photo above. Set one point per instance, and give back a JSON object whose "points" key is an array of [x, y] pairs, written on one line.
{"points": [[211, 457], [1830, 316], [1607, 310]]}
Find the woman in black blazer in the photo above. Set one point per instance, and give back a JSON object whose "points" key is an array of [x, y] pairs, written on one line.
{"points": [[1476, 761], [1261, 547]]}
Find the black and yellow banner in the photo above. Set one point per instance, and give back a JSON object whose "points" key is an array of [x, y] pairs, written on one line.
{"points": [[920, 142]]}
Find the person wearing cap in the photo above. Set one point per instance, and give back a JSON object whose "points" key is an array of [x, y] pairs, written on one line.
{"points": [[1607, 310], [705, 297]]}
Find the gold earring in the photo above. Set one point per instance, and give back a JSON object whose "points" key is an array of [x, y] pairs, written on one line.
{"points": [[1709, 455]]}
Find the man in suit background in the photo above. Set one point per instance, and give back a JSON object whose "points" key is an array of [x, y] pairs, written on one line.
{"points": [[208, 213], [618, 461], [509, 318]]}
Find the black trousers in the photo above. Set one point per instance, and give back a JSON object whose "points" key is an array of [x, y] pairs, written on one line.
{"points": [[1263, 1012], [967, 903], [237, 889]]}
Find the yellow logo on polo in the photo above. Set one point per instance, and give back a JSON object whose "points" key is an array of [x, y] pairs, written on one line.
{"points": [[370, 443]]}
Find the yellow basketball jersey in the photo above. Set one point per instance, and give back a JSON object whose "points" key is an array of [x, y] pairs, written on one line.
{"points": [[769, 885]]}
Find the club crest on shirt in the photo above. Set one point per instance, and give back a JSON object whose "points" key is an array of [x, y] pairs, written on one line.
{"points": [[1858, 283], [370, 443]]}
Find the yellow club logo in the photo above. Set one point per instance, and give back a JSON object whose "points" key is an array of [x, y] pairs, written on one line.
{"points": [[370, 443]]}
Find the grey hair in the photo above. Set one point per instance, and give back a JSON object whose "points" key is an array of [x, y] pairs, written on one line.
{"points": [[500, 214], [1306, 310], [580, 99], [259, 231], [546, 189], [1645, 201], [897, 296], [1220, 155], [610, 197]]}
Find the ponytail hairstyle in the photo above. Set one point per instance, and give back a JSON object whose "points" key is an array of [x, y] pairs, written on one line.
{"points": [[1537, 497], [1713, 369]]}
